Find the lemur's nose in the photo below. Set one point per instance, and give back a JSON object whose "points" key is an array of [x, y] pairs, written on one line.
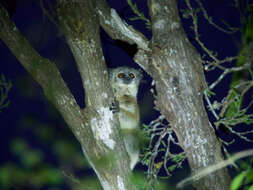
{"points": [[127, 79]]}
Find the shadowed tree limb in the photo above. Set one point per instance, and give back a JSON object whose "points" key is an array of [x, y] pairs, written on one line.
{"points": [[95, 127], [117, 28]]}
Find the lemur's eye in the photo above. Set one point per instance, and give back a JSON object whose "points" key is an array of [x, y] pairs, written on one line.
{"points": [[121, 75], [131, 75]]}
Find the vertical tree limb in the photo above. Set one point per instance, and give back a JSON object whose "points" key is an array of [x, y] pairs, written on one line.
{"points": [[95, 127], [176, 68]]}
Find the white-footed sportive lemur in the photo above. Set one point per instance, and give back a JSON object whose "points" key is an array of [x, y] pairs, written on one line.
{"points": [[125, 82]]}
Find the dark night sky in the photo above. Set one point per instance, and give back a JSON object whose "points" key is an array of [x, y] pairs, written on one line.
{"points": [[26, 97]]}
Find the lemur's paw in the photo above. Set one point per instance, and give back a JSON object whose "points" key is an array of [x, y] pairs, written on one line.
{"points": [[115, 107]]}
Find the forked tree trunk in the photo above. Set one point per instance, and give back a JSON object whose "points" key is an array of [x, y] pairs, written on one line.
{"points": [[169, 58]]}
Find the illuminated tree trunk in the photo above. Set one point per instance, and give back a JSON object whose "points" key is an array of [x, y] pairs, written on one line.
{"points": [[169, 58]]}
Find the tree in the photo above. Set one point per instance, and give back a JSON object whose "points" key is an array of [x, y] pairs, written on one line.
{"points": [[169, 58]]}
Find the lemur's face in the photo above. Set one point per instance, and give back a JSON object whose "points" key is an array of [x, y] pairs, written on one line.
{"points": [[125, 76], [125, 80]]}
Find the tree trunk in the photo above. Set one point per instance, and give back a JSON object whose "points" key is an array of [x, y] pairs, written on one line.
{"points": [[169, 58], [95, 127], [176, 68]]}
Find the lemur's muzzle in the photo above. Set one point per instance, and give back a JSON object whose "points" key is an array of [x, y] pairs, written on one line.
{"points": [[127, 79]]}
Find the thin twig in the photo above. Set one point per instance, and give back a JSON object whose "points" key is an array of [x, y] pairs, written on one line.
{"points": [[209, 19]]}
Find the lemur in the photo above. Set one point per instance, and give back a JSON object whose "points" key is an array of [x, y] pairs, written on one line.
{"points": [[125, 82]]}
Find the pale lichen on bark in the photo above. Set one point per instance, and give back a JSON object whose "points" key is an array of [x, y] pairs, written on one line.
{"points": [[63, 99], [160, 24], [175, 25], [105, 95], [88, 56], [104, 17], [101, 127], [172, 52], [121, 185], [106, 185]]}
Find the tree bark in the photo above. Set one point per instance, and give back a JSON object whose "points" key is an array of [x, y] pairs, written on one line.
{"points": [[95, 127], [169, 58], [176, 68]]}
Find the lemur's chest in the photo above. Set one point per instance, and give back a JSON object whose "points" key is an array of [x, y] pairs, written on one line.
{"points": [[128, 107], [127, 122], [129, 113]]}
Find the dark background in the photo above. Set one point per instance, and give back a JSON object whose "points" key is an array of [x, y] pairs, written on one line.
{"points": [[34, 137]]}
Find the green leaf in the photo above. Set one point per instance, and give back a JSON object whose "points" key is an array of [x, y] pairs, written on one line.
{"points": [[249, 177], [5, 177], [251, 187], [18, 146], [11, 174], [209, 93], [32, 158], [237, 181], [235, 105], [3, 79], [134, 18], [87, 183], [172, 168], [140, 15], [138, 179], [51, 176]]}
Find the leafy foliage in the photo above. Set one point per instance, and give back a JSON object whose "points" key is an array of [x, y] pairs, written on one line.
{"points": [[244, 179], [140, 15], [52, 168]]}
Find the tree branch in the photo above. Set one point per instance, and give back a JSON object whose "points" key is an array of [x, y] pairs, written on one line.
{"points": [[95, 127], [42, 70], [80, 25], [176, 68], [117, 28]]}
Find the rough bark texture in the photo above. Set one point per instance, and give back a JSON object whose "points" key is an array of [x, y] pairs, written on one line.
{"points": [[95, 127], [80, 24], [118, 28], [169, 58], [176, 68]]}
